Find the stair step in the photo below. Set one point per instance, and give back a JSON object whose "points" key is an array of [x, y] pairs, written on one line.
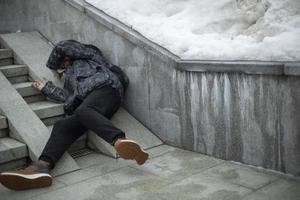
{"points": [[6, 61], [3, 133], [47, 109], [25, 89], [79, 144], [3, 122], [3, 127], [6, 57], [14, 70], [11, 149], [18, 79], [35, 98], [50, 121], [6, 53]]}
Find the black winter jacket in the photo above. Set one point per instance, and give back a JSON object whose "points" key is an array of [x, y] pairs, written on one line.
{"points": [[88, 70]]}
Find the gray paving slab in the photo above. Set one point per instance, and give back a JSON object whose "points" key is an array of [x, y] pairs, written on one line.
{"points": [[6, 194], [93, 165], [96, 164], [125, 183], [279, 190], [179, 164], [199, 187], [240, 175], [18, 79]]}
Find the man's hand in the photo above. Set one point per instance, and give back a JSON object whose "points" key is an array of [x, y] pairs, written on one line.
{"points": [[38, 85]]}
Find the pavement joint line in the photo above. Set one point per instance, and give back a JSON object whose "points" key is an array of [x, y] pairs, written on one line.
{"points": [[258, 189], [46, 192], [192, 174], [270, 172], [269, 183], [95, 176], [154, 146]]}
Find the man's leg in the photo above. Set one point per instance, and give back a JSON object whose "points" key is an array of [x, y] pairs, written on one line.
{"points": [[94, 113], [96, 110], [64, 133]]}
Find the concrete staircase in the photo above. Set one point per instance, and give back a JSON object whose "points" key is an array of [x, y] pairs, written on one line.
{"points": [[19, 77], [17, 95], [12, 152]]}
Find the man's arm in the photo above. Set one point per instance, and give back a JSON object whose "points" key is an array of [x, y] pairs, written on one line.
{"points": [[53, 92]]}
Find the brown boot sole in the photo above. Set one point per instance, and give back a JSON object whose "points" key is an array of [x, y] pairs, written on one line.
{"points": [[130, 150], [16, 181]]}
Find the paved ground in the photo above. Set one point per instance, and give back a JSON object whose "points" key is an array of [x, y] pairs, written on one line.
{"points": [[171, 173]]}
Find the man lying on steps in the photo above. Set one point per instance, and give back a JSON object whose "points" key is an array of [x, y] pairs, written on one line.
{"points": [[93, 92]]}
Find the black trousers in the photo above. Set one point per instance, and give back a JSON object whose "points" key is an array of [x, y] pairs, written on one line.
{"points": [[94, 114]]}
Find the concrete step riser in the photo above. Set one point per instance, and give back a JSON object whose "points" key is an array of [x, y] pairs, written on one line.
{"points": [[6, 53], [47, 109], [3, 122], [77, 145], [14, 70], [6, 61], [26, 89], [35, 98], [13, 164], [3, 133], [11, 149], [18, 79], [51, 120]]}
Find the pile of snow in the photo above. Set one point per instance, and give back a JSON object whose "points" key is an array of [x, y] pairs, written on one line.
{"points": [[215, 30]]}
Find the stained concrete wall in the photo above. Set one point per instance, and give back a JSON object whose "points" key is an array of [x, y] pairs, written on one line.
{"points": [[252, 119]]}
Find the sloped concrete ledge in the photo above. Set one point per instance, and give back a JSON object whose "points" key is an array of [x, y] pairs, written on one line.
{"points": [[292, 69], [246, 67]]}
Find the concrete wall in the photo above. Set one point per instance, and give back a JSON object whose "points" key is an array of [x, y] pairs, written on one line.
{"points": [[252, 119]]}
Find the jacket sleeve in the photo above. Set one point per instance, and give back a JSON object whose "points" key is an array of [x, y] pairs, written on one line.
{"points": [[54, 93], [74, 50], [72, 103]]}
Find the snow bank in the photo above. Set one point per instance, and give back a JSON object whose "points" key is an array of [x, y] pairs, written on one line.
{"points": [[215, 30]]}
